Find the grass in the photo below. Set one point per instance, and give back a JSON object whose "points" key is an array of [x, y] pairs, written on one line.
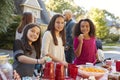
{"points": [[112, 44], [107, 49]]}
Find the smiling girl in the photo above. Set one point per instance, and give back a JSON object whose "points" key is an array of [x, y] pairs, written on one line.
{"points": [[27, 51], [85, 42], [53, 41]]}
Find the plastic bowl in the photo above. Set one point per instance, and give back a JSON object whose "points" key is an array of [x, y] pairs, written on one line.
{"points": [[85, 71]]}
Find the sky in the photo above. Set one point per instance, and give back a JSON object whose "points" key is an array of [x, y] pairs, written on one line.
{"points": [[111, 6]]}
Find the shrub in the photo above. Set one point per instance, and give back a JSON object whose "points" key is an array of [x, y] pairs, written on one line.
{"points": [[7, 38], [108, 40], [114, 37]]}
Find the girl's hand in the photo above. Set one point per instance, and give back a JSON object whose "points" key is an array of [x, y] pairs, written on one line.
{"points": [[41, 61], [80, 38], [16, 76], [48, 59], [64, 63], [45, 59]]}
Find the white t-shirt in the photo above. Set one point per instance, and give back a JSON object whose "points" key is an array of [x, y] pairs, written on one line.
{"points": [[48, 46], [18, 35]]}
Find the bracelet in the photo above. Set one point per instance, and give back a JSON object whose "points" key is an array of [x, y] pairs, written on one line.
{"points": [[37, 61]]}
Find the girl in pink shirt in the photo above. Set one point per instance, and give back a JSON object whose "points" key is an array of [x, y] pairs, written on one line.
{"points": [[84, 42]]}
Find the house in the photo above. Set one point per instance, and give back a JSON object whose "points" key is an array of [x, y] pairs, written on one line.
{"points": [[114, 29], [114, 26], [38, 9]]}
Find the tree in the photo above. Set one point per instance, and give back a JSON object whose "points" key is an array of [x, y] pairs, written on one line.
{"points": [[99, 19], [7, 38], [111, 16], [6, 11], [57, 5], [60, 5], [115, 19]]}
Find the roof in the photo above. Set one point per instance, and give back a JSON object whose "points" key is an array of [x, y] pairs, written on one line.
{"points": [[44, 16], [31, 3]]}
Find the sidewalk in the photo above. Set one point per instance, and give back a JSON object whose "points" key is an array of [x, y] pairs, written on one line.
{"points": [[111, 47], [108, 54], [116, 48]]}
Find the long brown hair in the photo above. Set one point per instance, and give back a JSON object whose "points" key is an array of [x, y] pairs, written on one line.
{"points": [[36, 44], [26, 19], [51, 27]]}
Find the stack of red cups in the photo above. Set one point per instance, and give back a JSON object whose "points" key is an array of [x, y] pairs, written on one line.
{"points": [[72, 71], [59, 72], [49, 71]]}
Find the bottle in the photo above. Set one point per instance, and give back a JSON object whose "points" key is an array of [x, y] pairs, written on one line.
{"points": [[6, 70]]}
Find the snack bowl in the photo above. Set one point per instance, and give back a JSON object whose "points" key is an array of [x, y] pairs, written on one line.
{"points": [[85, 71]]}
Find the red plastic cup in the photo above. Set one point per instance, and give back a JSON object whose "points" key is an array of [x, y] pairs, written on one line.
{"points": [[49, 65], [68, 78], [72, 71], [59, 66], [59, 78], [69, 68], [59, 72], [49, 73], [118, 65]]}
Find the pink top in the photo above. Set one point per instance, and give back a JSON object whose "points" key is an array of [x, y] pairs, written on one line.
{"points": [[88, 52]]}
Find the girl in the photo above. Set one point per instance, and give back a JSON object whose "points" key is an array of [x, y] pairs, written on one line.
{"points": [[84, 42], [27, 51], [27, 18], [53, 41]]}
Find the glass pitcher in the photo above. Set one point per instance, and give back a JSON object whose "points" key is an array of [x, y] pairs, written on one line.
{"points": [[6, 70]]}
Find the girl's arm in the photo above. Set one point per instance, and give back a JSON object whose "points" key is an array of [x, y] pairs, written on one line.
{"points": [[28, 60], [53, 57], [57, 60], [46, 40], [78, 49], [19, 54], [46, 43]]}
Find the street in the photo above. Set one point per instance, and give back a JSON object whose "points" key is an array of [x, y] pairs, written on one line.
{"points": [[113, 54]]}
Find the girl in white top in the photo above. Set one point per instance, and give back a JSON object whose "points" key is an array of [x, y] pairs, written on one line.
{"points": [[27, 18], [54, 40]]}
